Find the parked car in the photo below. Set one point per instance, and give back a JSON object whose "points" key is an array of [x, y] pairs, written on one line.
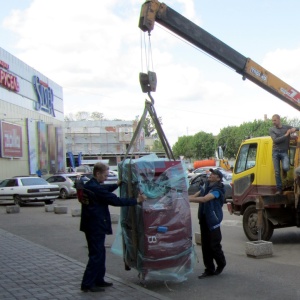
{"points": [[201, 178], [227, 181], [203, 169], [66, 184], [28, 189], [112, 177], [87, 175]]}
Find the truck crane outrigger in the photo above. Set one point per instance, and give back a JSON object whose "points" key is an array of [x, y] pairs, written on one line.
{"points": [[253, 174]]}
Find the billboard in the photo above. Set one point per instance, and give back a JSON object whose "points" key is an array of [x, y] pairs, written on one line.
{"points": [[60, 149], [11, 140], [32, 142], [43, 146], [52, 148]]}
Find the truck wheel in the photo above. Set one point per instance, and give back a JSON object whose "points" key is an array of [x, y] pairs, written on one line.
{"points": [[250, 225]]}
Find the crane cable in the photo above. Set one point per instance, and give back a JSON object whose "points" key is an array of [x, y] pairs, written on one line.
{"points": [[148, 52]]}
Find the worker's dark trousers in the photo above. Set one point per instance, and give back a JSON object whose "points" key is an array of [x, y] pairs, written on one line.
{"points": [[211, 247], [95, 269]]}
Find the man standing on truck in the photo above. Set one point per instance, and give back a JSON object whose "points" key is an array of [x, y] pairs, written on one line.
{"points": [[280, 135], [210, 215]]}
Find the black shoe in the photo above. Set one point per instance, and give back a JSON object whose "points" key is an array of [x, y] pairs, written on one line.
{"points": [[284, 174], [104, 284], [219, 270], [93, 289], [206, 274]]}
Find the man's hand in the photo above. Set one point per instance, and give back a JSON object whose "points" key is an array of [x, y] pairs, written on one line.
{"points": [[141, 197], [293, 130]]}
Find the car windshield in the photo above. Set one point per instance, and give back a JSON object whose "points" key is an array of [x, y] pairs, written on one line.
{"points": [[33, 181]]}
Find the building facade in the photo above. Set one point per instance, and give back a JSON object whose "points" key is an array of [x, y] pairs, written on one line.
{"points": [[31, 120], [90, 141]]}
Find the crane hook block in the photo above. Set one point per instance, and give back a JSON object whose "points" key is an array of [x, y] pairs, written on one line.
{"points": [[148, 82]]}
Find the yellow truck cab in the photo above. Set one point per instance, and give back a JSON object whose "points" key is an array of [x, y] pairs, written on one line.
{"points": [[254, 176]]}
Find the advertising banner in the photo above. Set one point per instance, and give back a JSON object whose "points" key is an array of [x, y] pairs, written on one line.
{"points": [[11, 140], [32, 143], [72, 160], [43, 149], [60, 149], [52, 148]]}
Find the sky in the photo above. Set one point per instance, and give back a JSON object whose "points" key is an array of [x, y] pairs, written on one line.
{"points": [[95, 51]]}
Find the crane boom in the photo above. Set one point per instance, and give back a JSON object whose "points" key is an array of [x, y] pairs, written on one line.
{"points": [[153, 11]]}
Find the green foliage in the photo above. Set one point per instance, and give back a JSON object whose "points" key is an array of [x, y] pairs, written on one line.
{"points": [[157, 146], [293, 122], [183, 147], [95, 115], [149, 127], [230, 138], [84, 115], [203, 145]]}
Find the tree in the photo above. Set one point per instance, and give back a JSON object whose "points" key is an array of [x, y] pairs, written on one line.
{"points": [[183, 147], [157, 146], [229, 140], [293, 122], [69, 117], [203, 145], [82, 116], [95, 115], [231, 137], [149, 127]]}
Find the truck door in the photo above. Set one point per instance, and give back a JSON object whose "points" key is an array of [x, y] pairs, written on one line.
{"points": [[245, 170]]}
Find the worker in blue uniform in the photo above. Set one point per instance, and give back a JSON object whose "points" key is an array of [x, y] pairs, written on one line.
{"points": [[96, 224], [210, 214]]}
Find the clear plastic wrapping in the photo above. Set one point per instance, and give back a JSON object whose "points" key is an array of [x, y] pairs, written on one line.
{"points": [[156, 237]]}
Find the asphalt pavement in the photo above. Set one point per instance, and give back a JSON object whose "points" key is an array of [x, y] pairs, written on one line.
{"points": [[43, 256]]}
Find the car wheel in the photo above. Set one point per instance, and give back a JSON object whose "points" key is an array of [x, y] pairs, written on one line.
{"points": [[17, 200], [250, 225], [48, 202], [63, 194]]}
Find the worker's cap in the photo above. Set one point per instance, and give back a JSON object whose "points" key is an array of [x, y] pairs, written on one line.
{"points": [[217, 172]]}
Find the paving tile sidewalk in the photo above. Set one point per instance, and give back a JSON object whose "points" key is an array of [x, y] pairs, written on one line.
{"points": [[30, 271]]}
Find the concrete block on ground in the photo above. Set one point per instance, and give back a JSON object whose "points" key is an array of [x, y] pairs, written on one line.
{"points": [[49, 208], [60, 209], [76, 212], [13, 209], [114, 218], [259, 249], [198, 238]]}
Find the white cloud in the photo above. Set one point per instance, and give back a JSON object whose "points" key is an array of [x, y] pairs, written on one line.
{"points": [[92, 49]]}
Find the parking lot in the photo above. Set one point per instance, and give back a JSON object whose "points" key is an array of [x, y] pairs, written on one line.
{"points": [[275, 277]]}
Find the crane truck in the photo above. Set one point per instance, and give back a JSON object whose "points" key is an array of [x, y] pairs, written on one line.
{"points": [[253, 173]]}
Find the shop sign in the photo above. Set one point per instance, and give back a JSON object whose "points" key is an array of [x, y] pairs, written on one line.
{"points": [[11, 140], [45, 96], [8, 80]]}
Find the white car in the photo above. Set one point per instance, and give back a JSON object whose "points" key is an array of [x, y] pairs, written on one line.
{"points": [[65, 181], [28, 189], [203, 169]]}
